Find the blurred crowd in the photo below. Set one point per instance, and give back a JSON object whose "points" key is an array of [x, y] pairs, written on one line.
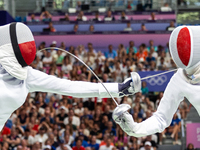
{"points": [[47, 17], [55, 122]]}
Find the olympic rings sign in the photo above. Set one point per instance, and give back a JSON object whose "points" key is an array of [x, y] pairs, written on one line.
{"points": [[159, 80]]}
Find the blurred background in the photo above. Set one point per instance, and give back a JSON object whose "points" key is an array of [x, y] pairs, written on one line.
{"points": [[114, 38]]}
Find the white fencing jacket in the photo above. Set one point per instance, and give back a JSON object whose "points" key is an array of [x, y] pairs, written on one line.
{"points": [[175, 92], [13, 92]]}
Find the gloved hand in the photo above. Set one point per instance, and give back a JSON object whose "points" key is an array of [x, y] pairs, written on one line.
{"points": [[124, 119], [193, 76], [131, 85]]}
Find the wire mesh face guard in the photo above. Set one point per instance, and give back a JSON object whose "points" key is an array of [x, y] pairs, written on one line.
{"points": [[184, 46]]}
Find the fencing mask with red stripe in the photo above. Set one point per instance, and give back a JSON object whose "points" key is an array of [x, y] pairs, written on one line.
{"points": [[17, 49], [184, 46]]}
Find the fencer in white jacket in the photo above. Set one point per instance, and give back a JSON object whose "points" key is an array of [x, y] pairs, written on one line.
{"points": [[184, 47], [17, 79]]}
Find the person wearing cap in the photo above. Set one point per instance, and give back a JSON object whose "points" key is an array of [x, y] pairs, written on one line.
{"points": [[61, 116], [184, 49], [147, 146]]}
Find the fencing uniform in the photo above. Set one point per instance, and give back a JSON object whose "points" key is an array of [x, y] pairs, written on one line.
{"points": [[17, 79], [184, 47]]}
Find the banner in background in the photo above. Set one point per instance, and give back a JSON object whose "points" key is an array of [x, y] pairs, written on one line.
{"points": [[158, 83], [193, 134]]}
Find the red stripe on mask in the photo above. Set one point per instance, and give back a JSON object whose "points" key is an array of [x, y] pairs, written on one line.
{"points": [[28, 51], [184, 45]]}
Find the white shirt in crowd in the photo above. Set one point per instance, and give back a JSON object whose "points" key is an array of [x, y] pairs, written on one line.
{"points": [[104, 147], [75, 121], [66, 145]]}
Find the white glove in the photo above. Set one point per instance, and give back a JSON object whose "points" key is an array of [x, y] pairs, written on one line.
{"points": [[131, 85], [193, 77], [124, 119]]}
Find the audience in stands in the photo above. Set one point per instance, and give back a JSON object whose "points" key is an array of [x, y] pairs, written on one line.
{"points": [[128, 27], [45, 16]]}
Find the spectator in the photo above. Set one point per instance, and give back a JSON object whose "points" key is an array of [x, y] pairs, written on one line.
{"points": [[107, 112], [58, 58], [89, 104], [153, 16], [111, 53], [33, 19], [81, 17], [151, 44], [149, 59], [143, 27], [142, 53], [13, 140], [109, 16], [190, 147], [144, 89], [174, 128], [131, 45], [78, 145], [66, 18], [91, 28], [41, 136], [75, 28], [182, 3], [50, 28], [148, 3], [63, 146], [171, 27], [147, 146], [23, 145], [110, 130], [166, 8], [123, 16], [128, 28], [121, 138], [97, 18], [67, 66], [153, 142], [93, 143], [107, 146], [61, 116], [45, 16], [162, 65], [72, 119], [130, 6], [47, 119]]}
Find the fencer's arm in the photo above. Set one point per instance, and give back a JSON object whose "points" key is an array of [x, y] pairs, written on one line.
{"points": [[163, 116], [39, 81]]}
